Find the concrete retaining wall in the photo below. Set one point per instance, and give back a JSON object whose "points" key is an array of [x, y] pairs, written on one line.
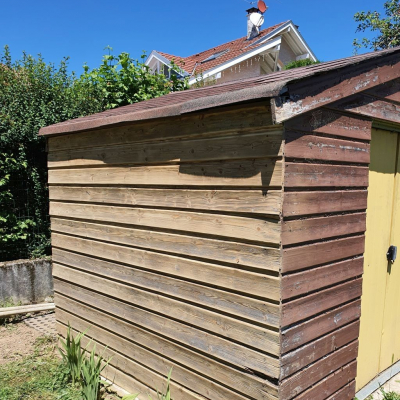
{"points": [[26, 281]]}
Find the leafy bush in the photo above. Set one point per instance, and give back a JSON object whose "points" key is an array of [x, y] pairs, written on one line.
{"points": [[300, 63]]}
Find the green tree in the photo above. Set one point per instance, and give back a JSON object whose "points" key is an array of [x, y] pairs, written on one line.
{"points": [[387, 27], [122, 80], [300, 63]]}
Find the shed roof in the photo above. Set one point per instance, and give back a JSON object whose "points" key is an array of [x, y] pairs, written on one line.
{"points": [[266, 86]]}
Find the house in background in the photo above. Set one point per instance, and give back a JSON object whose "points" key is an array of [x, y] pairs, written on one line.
{"points": [[258, 53]]}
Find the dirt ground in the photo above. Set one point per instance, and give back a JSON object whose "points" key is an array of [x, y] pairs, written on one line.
{"points": [[16, 341]]}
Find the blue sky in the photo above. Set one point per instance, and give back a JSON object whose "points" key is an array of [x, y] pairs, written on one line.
{"points": [[82, 29]]}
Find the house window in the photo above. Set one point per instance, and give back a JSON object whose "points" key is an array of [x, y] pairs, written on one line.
{"points": [[215, 55]]}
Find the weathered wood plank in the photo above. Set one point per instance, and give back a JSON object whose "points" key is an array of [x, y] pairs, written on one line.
{"points": [[331, 384], [370, 106], [297, 258], [236, 119], [301, 283], [239, 173], [332, 123], [215, 275], [307, 306], [306, 355], [305, 332], [311, 147], [323, 89], [323, 175], [220, 348], [123, 352], [266, 202], [346, 393], [304, 379], [237, 379], [248, 228], [320, 202], [218, 300], [389, 90], [259, 145], [305, 230], [227, 327], [209, 249]]}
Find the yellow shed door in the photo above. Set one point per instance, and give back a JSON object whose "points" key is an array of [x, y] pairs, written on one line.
{"points": [[380, 302]]}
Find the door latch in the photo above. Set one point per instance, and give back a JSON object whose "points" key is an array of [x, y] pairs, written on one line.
{"points": [[392, 254]]}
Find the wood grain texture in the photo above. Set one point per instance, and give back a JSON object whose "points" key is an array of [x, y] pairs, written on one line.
{"points": [[370, 106], [239, 173], [237, 119], [232, 304], [227, 278], [151, 368], [346, 393], [312, 147], [259, 145], [389, 90], [230, 328], [220, 348], [297, 336], [332, 122], [301, 257], [305, 307], [304, 379], [305, 230], [320, 202], [299, 358], [241, 380], [331, 384], [304, 282], [248, 228], [260, 257], [324, 175], [266, 202]]}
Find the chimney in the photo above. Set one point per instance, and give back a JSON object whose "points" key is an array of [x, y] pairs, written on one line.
{"points": [[252, 31]]}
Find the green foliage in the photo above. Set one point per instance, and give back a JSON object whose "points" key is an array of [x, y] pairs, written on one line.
{"points": [[91, 369], [33, 94], [37, 376], [300, 63], [73, 355], [121, 80], [390, 395], [387, 27]]}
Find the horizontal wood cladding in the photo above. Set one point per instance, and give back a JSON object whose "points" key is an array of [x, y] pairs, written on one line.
{"points": [[300, 334], [324, 175], [194, 370], [313, 147], [322, 202], [370, 106], [239, 119], [297, 359], [244, 307], [247, 228], [331, 122], [305, 230], [207, 343], [301, 257], [267, 202], [389, 91], [217, 250], [304, 379], [231, 278], [304, 282], [307, 306], [258, 145], [346, 393], [238, 173], [251, 335]]}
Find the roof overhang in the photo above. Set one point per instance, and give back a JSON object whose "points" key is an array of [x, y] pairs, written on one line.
{"points": [[269, 46], [154, 55]]}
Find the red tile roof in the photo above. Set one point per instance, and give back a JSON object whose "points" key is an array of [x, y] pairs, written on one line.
{"points": [[178, 103], [235, 48]]}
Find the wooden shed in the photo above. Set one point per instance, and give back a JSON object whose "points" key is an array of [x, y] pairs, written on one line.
{"points": [[221, 231]]}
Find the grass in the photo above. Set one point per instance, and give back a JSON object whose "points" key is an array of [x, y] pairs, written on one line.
{"points": [[38, 376]]}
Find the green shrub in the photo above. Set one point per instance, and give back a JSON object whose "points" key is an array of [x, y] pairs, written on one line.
{"points": [[300, 63]]}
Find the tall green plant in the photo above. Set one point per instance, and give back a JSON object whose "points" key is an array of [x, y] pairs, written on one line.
{"points": [[121, 80]]}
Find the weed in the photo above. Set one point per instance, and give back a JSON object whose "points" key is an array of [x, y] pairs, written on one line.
{"points": [[390, 395], [9, 302]]}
